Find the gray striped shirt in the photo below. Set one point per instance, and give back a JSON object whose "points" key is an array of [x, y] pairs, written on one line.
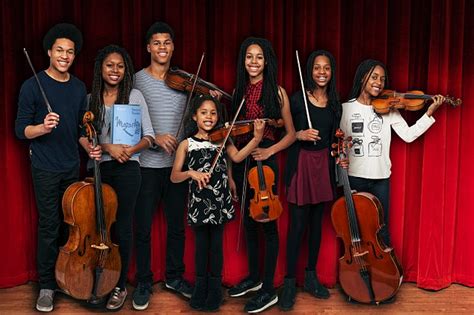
{"points": [[165, 106]]}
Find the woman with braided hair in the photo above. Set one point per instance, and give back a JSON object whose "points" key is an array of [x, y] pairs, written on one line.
{"points": [[119, 165]]}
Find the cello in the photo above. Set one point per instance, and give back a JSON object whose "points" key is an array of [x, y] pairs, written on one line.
{"points": [[88, 266], [369, 271]]}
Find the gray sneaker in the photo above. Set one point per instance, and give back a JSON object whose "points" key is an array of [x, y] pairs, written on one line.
{"points": [[44, 303]]}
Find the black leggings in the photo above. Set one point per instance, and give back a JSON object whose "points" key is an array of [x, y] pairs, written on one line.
{"points": [[125, 180], [300, 217], [208, 244], [270, 229]]}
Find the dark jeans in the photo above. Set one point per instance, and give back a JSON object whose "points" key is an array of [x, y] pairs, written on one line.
{"points": [[156, 186], [208, 243], [49, 189], [251, 228], [125, 179], [300, 218], [380, 188]]}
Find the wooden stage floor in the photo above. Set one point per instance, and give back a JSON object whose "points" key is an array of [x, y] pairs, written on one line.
{"points": [[456, 299]]}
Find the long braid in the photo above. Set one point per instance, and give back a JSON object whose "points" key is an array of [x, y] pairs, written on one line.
{"points": [[96, 103], [270, 98]]}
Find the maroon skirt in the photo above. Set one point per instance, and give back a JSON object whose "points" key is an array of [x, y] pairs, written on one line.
{"points": [[311, 183]]}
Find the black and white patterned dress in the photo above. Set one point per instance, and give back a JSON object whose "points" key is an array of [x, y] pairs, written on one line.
{"points": [[213, 203]]}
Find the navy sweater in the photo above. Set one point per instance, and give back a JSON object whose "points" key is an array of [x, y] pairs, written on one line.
{"points": [[56, 151]]}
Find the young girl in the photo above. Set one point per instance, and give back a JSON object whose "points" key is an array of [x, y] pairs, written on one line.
{"points": [[257, 82], [369, 158], [210, 201], [119, 167], [310, 170]]}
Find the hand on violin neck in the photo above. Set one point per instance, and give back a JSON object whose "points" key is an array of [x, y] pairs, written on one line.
{"points": [[308, 135], [167, 142], [258, 129], [437, 101], [261, 154], [216, 94]]}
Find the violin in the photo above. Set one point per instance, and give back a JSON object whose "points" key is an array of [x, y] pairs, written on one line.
{"points": [[240, 127], [265, 206], [182, 81], [369, 271], [411, 100], [89, 265]]}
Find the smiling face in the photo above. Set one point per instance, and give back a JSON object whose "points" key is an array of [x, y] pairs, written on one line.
{"points": [[322, 71], [61, 55], [161, 48], [254, 62], [206, 116], [113, 69], [375, 83]]}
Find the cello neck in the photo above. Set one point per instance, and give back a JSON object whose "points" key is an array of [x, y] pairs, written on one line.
{"points": [[99, 205], [351, 214]]}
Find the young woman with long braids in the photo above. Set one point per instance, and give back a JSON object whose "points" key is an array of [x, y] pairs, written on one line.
{"points": [[369, 158], [257, 82], [119, 166], [310, 171]]}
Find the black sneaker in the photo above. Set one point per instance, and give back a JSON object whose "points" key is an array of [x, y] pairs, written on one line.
{"points": [[261, 302], [141, 296], [244, 287], [180, 286]]}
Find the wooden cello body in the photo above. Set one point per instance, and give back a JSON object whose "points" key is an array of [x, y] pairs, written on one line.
{"points": [[369, 271], [89, 264]]}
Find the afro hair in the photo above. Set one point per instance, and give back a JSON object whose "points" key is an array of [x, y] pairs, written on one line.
{"points": [[63, 30]]}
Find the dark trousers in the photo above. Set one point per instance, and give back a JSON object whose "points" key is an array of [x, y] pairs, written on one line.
{"points": [[125, 179], [251, 230], [49, 189], [156, 186], [380, 188], [208, 243], [300, 218]]}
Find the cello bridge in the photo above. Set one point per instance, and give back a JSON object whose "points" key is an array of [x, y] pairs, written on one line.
{"points": [[102, 246]]}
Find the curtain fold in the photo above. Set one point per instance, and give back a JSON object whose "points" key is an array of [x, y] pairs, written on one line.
{"points": [[426, 44]]}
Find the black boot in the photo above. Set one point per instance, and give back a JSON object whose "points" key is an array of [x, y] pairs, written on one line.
{"points": [[289, 293], [312, 285], [198, 298], [214, 295]]}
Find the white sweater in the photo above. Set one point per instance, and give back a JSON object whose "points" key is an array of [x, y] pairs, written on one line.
{"points": [[371, 136]]}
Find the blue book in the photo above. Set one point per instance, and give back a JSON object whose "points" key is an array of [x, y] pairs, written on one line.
{"points": [[126, 124]]}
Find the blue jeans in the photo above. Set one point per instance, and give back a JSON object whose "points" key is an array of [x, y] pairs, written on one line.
{"points": [[380, 188]]}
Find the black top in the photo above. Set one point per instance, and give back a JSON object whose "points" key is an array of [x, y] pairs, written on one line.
{"points": [[323, 119], [56, 151]]}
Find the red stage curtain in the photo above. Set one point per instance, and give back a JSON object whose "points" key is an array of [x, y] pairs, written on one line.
{"points": [[426, 44]]}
